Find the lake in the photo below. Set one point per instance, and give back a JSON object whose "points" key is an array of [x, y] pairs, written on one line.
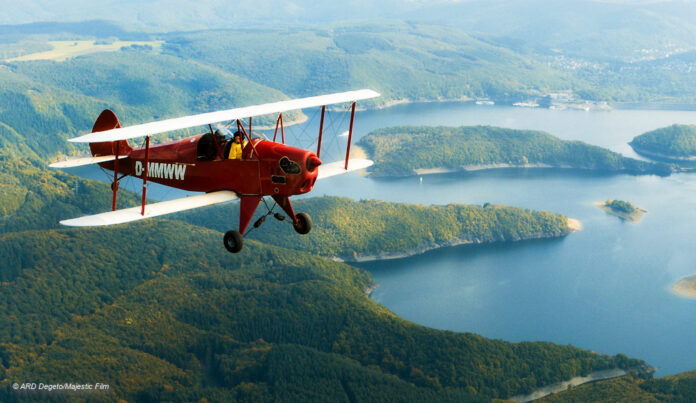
{"points": [[605, 288]]}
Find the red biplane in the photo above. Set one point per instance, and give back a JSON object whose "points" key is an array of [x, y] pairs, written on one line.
{"points": [[201, 164]]}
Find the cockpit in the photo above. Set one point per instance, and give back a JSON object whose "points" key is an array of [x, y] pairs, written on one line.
{"points": [[210, 144]]}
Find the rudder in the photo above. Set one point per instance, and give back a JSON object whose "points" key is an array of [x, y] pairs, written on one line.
{"points": [[107, 120]]}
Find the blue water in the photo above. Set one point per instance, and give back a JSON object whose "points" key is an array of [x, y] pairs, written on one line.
{"points": [[605, 288]]}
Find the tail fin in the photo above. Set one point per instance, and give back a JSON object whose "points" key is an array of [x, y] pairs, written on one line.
{"points": [[107, 120]]}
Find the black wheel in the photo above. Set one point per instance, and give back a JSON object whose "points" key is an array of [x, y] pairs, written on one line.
{"points": [[303, 224], [233, 241]]}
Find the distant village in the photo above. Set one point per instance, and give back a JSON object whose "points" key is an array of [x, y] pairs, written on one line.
{"points": [[560, 100]]}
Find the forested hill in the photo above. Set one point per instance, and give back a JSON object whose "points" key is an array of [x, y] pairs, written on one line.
{"points": [[368, 229], [42, 103], [34, 197], [174, 318], [402, 151], [675, 142], [393, 57]]}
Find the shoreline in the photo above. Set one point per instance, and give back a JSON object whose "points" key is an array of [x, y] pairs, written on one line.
{"points": [[573, 382], [572, 226], [661, 157], [481, 167], [685, 287]]}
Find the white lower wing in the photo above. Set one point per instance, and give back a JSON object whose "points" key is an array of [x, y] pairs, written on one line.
{"points": [[338, 167], [187, 203], [76, 162], [151, 210]]}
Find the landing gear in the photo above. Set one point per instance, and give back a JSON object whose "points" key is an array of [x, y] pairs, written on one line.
{"points": [[303, 224], [233, 241]]}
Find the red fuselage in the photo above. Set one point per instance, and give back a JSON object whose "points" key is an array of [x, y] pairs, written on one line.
{"points": [[266, 169]]}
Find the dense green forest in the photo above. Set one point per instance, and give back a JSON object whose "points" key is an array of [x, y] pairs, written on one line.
{"points": [[34, 197], [400, 60], [620, 205], [172, 317], [44, 102], [399, 151], [352, 230], [674, 388], [676, 141]]}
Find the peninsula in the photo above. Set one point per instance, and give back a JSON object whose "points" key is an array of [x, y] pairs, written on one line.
{"points": [[356, 231], [674, 143], [622, 209], [417, 150]]}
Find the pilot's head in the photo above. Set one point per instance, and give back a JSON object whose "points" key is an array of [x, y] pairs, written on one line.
{"points": [[237, 136]]}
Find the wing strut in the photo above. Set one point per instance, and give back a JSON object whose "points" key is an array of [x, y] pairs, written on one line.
{"points": [[350, 133], [114, 186], [241, 125], [321, 129], [147, 163], [282, 130]]}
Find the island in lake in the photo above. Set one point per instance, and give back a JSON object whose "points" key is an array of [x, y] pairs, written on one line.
{"points": [[686, 287], [673, 143], [418, 150], [622, 209]]}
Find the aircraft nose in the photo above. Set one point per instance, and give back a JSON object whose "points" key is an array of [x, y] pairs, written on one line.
{"points": [[312, 163]]}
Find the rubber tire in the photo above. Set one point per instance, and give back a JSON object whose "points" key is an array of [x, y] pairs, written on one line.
{"points": [[303, 224], [233, 241]]}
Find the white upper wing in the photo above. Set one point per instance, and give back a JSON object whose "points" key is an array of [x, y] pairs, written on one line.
{"points": [[151, 210], [162, 126]]}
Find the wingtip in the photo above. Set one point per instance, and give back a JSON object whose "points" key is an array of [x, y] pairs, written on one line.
{"points": [[369, 93], [79, 139]]}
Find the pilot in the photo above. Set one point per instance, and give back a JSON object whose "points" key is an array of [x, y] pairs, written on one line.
{"points": [[237, 146]]}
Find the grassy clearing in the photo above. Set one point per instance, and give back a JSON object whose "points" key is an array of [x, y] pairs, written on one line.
{"points": [[63, 50]]}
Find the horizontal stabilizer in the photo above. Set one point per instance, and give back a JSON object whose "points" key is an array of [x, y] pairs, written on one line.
{"points": [[168, 125], [338, 167], [152, 210], [76, 162]]}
